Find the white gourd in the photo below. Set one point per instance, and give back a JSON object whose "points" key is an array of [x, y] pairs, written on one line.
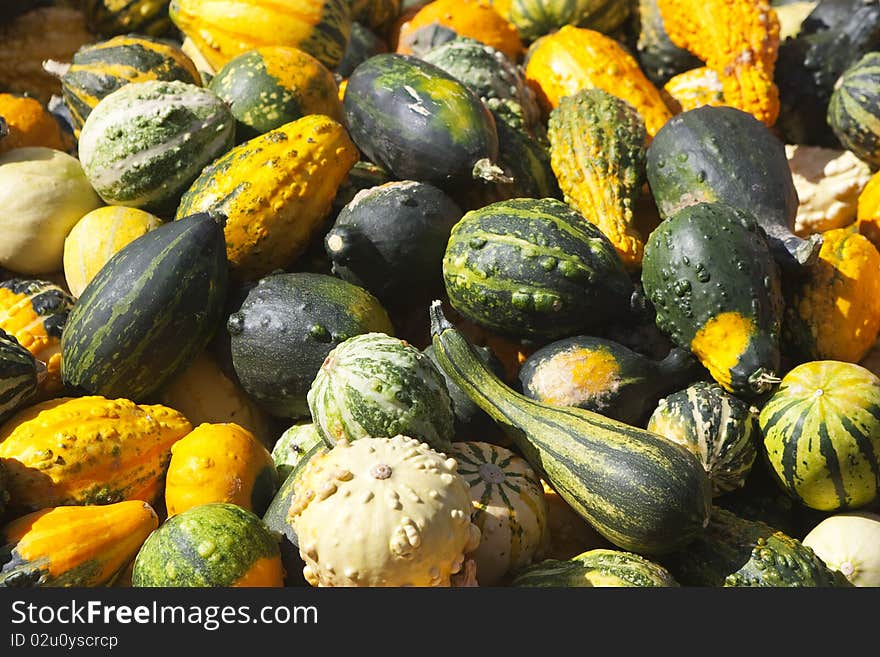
{"points": [[849, 543]]}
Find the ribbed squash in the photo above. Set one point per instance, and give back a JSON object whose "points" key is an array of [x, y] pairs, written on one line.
{"points": [[220, 463], [853, 109], [694, 88], [535, 18], [99, 69], [822, 435], [509, 509], [739, 40], [601, 568], [73, 545], [88, 450], [834, 314], [470, 18], [35, 312], [222, 29], [111, 17], [20, 374], [868, 210], [572, 59], [97, 237], [29, 123], [272, 211], [597, 150]]}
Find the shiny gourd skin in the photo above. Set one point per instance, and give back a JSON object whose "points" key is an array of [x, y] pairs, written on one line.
{"points": [[109, 18], [73, 546], [535, 18], [597, 568], [853, 108], [20, 376]]}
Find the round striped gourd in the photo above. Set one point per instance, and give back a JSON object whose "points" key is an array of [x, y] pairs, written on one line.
{"points": [[20, 374], [111, 17], [719, 428], [97, 237], [374, 385], [293, 445], [99, 69], [28, 123], [210, 545], [534, 268], [509, 508], [855, 106], [268, 87], [822, 435], [145, 143], [35, 313], [600, 567], [535, 18], [222, 29]]}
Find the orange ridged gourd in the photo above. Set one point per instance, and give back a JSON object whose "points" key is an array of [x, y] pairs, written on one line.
{"points": [[572, 59], [868, 212], [739, 40], [87, 450]]}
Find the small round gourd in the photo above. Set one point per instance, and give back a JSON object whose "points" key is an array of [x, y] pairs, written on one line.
{"points": [[293, 445], [853, 108], [220, 463], [210, 545], [403, 508], [822, 435], [374, 385], [849, 543], [509, 509], [97, 237], [719, 428], [600, 567]]}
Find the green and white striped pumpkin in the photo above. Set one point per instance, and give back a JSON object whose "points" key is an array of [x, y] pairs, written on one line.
{"points": [[374, 385], [600, 567], [854, 109], [719, 428], [822, 435], [509, 508], [20, 375], [144, 144], [293, 445]]}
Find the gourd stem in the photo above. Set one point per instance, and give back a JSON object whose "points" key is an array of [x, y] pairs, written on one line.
{"points": [[58, 69], [485, 170]]}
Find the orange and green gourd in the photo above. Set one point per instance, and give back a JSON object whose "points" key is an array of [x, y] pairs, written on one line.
{"points": [[739, 40], [29, 123]]}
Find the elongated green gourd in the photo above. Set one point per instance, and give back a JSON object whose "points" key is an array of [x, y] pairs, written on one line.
{"points": [[642, 492]]}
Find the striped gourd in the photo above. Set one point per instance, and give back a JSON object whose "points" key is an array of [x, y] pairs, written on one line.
{"points": [[509, 509], [534, 268], [642, 492], [88, 450], [35, 313], [822, 435], [597, 150], [222, 29], [148, 312], [694, 88], [535, 18], [274, 190], [855, 106], [99, 69], [719, 428], [97, 237], [292, 446], [374, 385], [268, 87], [600, 567], [20, 374], [111, 17], [145, 143]]}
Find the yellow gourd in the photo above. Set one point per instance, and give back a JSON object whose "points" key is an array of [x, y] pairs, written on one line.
{"points": [[694, 88]]}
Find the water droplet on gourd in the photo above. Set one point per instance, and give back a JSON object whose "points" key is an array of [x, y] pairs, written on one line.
{"points": [[235, 324], [702, 273], [319, 333], [682, 287], [477, 242]]}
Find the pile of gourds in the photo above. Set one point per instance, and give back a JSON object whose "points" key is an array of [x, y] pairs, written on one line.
{"points": [[447, 293]]}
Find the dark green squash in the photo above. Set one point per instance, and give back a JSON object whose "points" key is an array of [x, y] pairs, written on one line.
{"points": [[854, 109], [363, 175], [642, 492], [535, 18], [659, 58], [605, 377], [148, 312], [420, 123], [709, 272], [362, 44], [534, 268], [723, 154], [286, 326], [20, 376]]}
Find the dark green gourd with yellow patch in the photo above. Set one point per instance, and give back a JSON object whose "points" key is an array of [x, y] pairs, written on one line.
{"points": [[642, 492], [710, 274]]}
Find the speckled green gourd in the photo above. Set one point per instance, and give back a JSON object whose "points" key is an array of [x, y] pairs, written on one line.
{"points": [[605, 568], [710, 274], [147, 142], [378, 386], [209, 545], [719, 428], [20, 376], [293, 445], [855, 106], [534, 268], [733, 552]]}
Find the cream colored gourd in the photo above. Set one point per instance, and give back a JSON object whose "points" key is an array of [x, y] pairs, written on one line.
{"points": [[403, 509], [828, 183], [849, 543], [509, 508], [43, 193]]}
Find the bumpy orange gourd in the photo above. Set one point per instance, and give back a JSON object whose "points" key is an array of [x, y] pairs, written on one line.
{"points": [[29, 124], [835, 313], [87, 450], [563, 63], [868, 212], [476, 19], [75, 545], [219, 463], [694, 88], [739, 40]]}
